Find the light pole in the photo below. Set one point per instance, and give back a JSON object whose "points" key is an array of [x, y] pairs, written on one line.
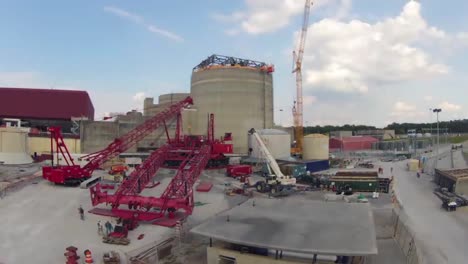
{"points": [[432, 138], [281, 110], [437, 111]]}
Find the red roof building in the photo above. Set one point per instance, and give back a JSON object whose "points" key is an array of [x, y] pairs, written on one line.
{"points": [[352, 143], [45, 104]]}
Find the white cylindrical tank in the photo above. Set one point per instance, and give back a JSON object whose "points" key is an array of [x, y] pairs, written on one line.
{"points": [[14, 146], [277, 141], [315, 146]]}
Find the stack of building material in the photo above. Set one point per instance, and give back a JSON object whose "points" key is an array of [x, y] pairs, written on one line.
{"points": [[293, 170], [413, 165], [363, 181]]}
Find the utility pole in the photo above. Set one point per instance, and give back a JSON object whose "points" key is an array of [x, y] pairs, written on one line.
{"points": [[432, 137], [437, 111]]}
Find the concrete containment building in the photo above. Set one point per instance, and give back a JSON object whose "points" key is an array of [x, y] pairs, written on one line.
{"points": [[315, 147], [277, 141], [238, 91]]}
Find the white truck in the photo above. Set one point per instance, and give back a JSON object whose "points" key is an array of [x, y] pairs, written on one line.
{"points": [[275, 181]]}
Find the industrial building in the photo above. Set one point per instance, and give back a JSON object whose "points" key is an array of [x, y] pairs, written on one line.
{"points": [[381, 134], [352, 143], [455, 180], [39, 107], [24, 133], [341, 134]]}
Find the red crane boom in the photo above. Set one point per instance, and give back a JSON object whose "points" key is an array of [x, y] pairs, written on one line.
{"points": [[73, 174]]}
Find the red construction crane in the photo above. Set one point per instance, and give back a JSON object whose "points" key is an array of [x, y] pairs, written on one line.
{"points": [[177, 195], [298, 104], [72, 173]]}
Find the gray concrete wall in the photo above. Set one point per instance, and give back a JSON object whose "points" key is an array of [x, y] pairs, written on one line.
{"points": [[240, 98], [97, 135]]}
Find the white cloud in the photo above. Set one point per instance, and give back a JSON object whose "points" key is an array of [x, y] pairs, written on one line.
{"points": [[124, 14], [264, 16], [355, 56], [141, 21], [449, 107], [428, 98], [406, 112], [403, 107]]}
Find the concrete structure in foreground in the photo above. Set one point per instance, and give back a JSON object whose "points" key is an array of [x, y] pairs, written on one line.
{"points": [[294, 231]]}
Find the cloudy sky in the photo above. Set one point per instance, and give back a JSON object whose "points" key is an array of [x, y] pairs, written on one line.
{"points": [[366, 61]]}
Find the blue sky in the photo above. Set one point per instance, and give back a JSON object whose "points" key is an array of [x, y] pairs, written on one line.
{"points": [[366, 61]]}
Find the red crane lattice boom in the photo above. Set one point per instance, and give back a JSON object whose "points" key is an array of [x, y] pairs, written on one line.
{"points": [[72, 174]]}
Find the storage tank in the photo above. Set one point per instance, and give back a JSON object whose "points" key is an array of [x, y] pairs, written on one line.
{"points": [[277, 141], [14, 146], [315, 147], [240, 94]]}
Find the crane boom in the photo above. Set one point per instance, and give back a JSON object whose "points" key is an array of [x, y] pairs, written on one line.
{"points": [[119, 145], [298, 107], [271, 161], [73, 174]]}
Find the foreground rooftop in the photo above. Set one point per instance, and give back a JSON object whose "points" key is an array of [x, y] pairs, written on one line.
{"points": [[312, 227]]}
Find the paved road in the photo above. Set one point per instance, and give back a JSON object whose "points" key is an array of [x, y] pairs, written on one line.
{"points": [[442, 236]]}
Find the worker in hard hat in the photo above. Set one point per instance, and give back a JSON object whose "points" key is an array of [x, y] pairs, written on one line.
{"points": [[81, 212]]}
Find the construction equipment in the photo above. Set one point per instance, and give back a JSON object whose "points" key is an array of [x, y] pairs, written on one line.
{"points": [[119, 235], [72, 174], [238, 170], [118, 169], [298, 104], [275, 180], [194, 152]]}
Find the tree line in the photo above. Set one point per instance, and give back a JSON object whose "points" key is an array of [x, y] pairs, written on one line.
{"points": [[453, 126]]}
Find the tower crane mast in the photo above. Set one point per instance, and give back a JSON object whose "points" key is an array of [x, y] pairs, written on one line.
{"points": [[298, 104]]}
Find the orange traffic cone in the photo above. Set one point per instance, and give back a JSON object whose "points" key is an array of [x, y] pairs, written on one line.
{"points": [[88, 256]]}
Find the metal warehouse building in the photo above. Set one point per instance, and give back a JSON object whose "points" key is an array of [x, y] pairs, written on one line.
{"points": [[44, 107], [352, 143]]}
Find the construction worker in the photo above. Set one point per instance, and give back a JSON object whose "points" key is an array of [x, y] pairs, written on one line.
{"points": [[100, 229], [108, 226], [81, 211]]}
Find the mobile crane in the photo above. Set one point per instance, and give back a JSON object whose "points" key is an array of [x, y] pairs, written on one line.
{"points": [[73, 174], [275, 180]]}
